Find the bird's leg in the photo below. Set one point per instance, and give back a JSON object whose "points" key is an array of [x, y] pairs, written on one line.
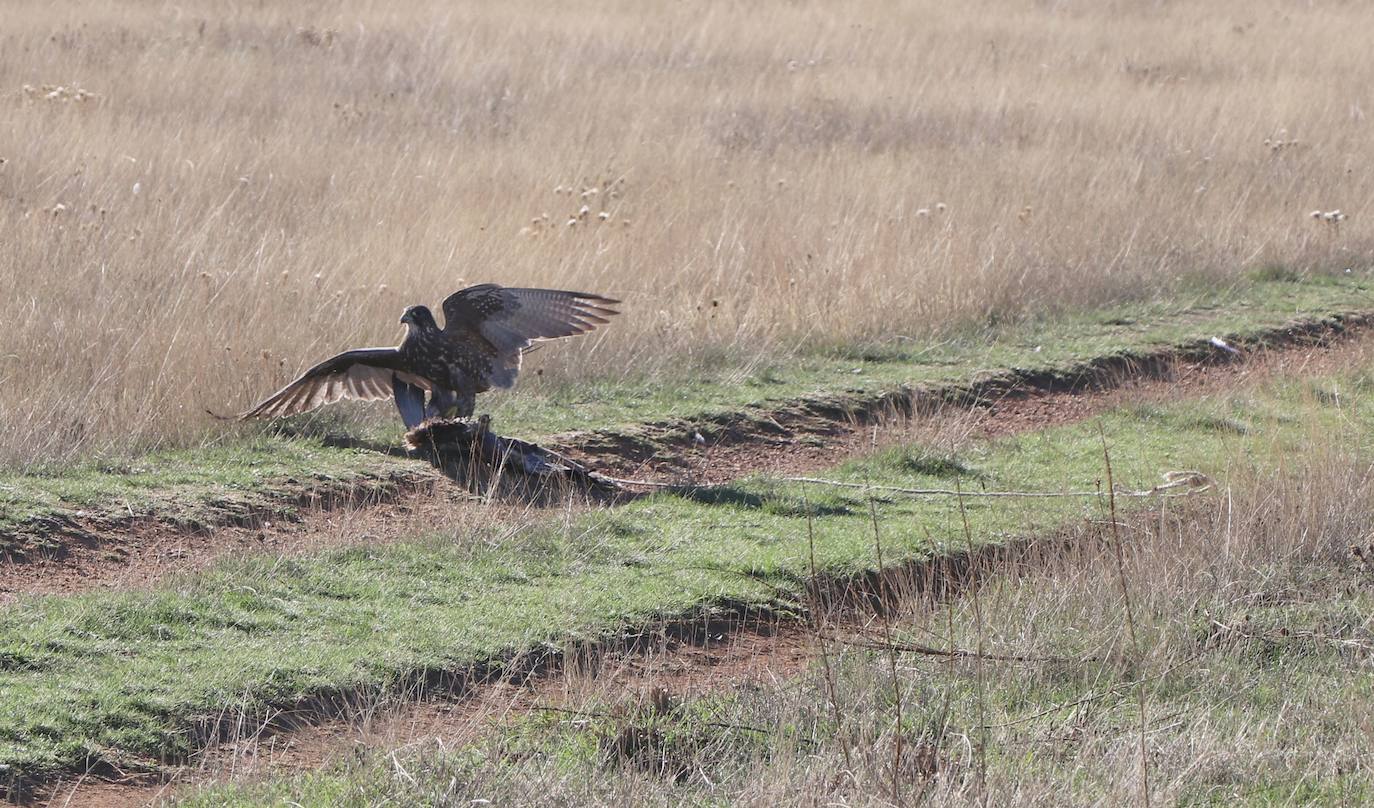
{"points": [[410, 401], [465, 405], [444, 403]]}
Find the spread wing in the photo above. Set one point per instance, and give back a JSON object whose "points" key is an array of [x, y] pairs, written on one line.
{"points": [[502, 322], [364, 375]]}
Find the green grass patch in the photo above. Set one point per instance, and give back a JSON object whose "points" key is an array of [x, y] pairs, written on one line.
{"points": [[1229, 708], [262, 470], [133, 674]]}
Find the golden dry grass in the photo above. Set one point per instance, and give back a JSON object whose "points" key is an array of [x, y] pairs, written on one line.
{"points": [[197, 200]]}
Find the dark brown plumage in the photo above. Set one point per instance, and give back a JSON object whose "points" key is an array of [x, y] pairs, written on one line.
{"points": [[487, 329]]}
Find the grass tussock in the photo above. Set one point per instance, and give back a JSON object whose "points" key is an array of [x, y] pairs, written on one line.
{"points": [[1252, 614], [197, 202]]}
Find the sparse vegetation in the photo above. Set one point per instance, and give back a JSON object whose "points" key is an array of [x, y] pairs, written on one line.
{"points": [[1255, 629], [135, 676], [198, 202]]}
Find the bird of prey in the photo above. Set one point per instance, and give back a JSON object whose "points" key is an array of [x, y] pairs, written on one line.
{"points": [[487, 329]]}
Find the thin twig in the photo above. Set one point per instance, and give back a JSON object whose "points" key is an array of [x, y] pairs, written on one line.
{"points": [[951, 672], [820, 641], [961, 653], [978, 656], [1130, 619], [883, 603], [1192, 480]]}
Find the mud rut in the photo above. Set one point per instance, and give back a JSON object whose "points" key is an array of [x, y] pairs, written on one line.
{"points": [[681, 658]]}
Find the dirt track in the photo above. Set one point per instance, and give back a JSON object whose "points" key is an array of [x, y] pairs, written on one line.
{"points": [[684, 663], [148, 552]]}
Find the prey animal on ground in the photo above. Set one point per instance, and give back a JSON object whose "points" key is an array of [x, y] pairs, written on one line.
{"points": [[487, 330]]}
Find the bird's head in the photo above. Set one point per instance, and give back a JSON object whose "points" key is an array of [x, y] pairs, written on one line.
{"points": [[419, 318]]}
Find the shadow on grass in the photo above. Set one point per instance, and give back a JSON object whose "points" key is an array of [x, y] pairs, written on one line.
{"points": [[735, 496]]}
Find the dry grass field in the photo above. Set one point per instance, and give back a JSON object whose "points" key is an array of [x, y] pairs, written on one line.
{"points": [[198, 199], [1065, 238]]}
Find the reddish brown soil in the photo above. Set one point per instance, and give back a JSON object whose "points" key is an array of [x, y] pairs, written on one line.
{"points": [[149, 552], [830, 442], [681, 668], [760, 653]]}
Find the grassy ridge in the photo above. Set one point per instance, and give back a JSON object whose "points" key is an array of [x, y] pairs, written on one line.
{"points": [[130, 675], [259, 475], [261, 471], [1254, 639]]}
